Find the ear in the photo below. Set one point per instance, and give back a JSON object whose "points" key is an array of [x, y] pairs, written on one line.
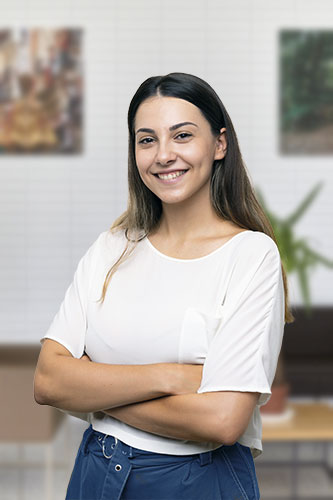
{"points": [[221, 145]]}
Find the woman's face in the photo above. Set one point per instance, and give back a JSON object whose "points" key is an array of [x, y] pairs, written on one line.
{"points": [[165, 143]]}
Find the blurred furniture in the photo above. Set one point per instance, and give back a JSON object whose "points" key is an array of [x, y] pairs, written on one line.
{"points": [[308, 352], [22, 420], [309, 422]]}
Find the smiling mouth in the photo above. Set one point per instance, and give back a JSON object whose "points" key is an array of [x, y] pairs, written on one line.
{"points": [[171, 176]]}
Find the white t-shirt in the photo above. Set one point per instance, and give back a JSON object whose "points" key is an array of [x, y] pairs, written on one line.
{"points": [[224, 310]]}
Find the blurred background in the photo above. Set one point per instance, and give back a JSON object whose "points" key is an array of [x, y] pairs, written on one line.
{"points": [[68, 70]]}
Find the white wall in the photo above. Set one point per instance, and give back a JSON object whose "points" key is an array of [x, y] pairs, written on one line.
{"points": [[52, 209]]}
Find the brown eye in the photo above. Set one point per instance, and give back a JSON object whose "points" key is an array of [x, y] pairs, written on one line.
{"points": [[184, 134], [145, 139]]}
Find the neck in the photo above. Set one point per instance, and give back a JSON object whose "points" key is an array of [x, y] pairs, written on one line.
{"points": [[190, 219]]}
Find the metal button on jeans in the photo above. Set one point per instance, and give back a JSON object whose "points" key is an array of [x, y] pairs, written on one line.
{"points": [[118, 467]]}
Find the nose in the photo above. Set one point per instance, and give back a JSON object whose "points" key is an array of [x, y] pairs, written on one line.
{"points": [[165, 153]]}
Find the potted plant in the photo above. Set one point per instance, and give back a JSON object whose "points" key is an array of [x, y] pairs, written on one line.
{"points": [[297, 257]]}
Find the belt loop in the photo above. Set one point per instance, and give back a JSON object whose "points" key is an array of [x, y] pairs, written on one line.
{"points": [[205, 458], [86, 438]]}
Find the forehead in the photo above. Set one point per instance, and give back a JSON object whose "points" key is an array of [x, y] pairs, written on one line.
{"points": [[167, 110]]}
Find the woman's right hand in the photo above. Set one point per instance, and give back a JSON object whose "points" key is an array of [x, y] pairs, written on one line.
{"points": [[183, 378]]}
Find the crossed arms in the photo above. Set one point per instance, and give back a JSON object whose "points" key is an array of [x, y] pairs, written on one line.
{"points": [[160, 398]]}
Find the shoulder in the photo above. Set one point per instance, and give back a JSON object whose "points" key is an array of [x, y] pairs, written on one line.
{"points": [[255, 250], [102, 252], [258, 243], [112, 239], [109, 245], [254, 264]]}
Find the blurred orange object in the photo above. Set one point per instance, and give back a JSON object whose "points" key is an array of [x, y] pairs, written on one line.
{"points": [[278, 400]]}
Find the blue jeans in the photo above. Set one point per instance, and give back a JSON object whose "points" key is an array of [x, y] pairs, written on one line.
{"points": [[107, 469]]}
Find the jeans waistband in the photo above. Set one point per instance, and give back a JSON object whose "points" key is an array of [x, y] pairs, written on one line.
{"points": [[108, 443]]}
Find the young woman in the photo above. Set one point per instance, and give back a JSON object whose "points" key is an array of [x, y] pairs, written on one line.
{"points": [[168, 337]]}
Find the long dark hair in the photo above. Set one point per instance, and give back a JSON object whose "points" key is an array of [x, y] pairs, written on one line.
{"points": [[231, 192]]}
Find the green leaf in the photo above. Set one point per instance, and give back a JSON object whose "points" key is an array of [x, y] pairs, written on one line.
{"points": [[296, 254], [304, 205]]}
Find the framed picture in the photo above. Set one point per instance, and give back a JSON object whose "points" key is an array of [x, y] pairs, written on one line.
{"points": [[41, 91], [306, 92]]}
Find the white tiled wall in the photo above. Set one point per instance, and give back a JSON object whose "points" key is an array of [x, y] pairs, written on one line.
{"points": [[52, 209]]}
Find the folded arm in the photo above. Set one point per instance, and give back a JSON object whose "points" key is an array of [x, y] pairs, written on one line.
{"points": [[76, 385], [159, 398], [219, 417]]}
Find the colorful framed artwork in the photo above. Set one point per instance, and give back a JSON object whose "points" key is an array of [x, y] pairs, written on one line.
{"points": [[41, 91]]}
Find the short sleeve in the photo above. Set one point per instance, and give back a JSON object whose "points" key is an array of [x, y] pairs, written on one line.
{"points": [[243, 354], [69, 325]]}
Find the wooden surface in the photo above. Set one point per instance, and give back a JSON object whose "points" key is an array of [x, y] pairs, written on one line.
{"points": [[310, 422], [21, 418]]}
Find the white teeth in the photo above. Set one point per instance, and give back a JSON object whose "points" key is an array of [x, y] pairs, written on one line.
{"points": [[171, 176]]}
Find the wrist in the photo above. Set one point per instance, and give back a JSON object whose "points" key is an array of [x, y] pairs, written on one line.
{"points": [[167, 378]]}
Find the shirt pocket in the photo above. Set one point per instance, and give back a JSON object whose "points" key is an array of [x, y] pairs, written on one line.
{"points": [[197, 331]]}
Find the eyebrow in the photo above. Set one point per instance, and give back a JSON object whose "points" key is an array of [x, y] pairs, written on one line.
{"points": [[173, 127]]}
